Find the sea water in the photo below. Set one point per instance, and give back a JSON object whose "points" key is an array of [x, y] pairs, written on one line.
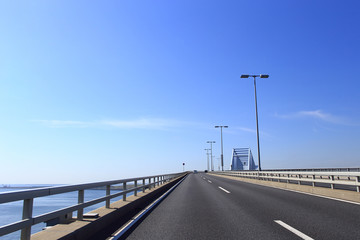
{"points": [[12, 212]]}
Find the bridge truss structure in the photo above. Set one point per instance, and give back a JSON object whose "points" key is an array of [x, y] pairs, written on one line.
{"points": [[242, 159]]}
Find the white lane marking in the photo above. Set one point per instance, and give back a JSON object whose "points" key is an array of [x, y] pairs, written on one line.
{"points": [[293, 230], [209, 181], [135, 219], [224, 190], [312, 194]]}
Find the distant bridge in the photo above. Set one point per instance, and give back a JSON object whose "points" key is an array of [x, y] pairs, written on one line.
{"points": [[242, 159], [217, 205]]}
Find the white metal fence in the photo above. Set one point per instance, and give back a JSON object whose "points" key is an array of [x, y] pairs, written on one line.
{"points": [[28, 196], [342, 180]]}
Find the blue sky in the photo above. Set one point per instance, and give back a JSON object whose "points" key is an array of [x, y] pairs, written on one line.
{"points": [[101, 90]]}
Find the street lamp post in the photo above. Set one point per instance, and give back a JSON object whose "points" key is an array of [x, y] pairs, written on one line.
{"points": [[212, 165], [219, 163], [222, 156], [257, 123], [207, 155]]}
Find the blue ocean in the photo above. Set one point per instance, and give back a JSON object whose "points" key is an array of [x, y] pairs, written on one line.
{"points": [[12, 212]]}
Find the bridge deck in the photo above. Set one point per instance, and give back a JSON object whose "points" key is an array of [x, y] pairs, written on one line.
{"points": [[208, 207]]}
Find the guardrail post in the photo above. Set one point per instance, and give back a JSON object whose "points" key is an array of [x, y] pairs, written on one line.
{"points": [[107, 202], [124, 189], [313, 183], [154, 182], [357, 181], [149, 183], [143, 185], [135, 184], [27, 214], [80, 211], [332, 179]]}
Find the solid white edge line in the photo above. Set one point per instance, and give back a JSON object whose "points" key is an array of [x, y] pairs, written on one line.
{"points": [[129, 224], [312, 194], [224, 190], [293, 230]]}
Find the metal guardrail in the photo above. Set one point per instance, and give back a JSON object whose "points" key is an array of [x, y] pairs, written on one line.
{"points": [[28, 197], [334, 179]]}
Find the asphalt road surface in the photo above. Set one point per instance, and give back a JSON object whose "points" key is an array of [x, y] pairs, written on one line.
{"points": [[209, 207]]}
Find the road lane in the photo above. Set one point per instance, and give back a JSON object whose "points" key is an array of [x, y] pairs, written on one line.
{"points": [[317, 217], [197, 209]]}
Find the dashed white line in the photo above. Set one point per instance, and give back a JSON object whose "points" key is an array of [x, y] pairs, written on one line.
{"points": [[293, 230], [209, 181], [224, 190]]}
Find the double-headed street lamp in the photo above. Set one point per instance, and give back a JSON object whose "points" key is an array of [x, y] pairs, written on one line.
{"points": [[207, 155], [257, 123], [212, 165], [222, 156]]}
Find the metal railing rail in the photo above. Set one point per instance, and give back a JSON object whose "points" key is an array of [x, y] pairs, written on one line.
{"points": [[316, 179], [28, 197], [315, 170]]}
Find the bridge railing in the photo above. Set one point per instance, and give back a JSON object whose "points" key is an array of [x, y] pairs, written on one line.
{"points": [[335, 179], [28, 196], [314, 170]]}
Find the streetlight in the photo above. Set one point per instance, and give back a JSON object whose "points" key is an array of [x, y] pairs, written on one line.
{"points": [[257, 123], [207, 155], [212, 165], [222, 156]]}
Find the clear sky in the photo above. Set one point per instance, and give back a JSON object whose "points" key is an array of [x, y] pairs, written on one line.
{"points": [[103, 90]]}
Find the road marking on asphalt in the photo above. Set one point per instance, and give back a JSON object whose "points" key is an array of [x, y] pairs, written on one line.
{"points": [[311, 194], [118, 234], [209, 181], [224, 190], [293, 230], [315, 195]]}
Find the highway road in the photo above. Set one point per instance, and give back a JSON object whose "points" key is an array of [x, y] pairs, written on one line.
{"points": [[208, 207]]}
